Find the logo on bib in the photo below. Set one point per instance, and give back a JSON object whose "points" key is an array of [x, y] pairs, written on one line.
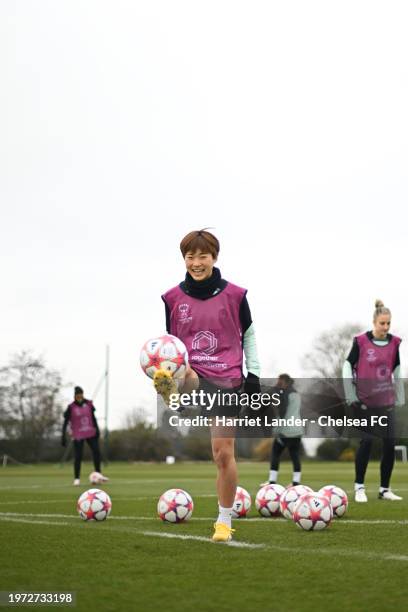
{"points": [[383, 372], [205, 342], [371, 354], [184, 313]]}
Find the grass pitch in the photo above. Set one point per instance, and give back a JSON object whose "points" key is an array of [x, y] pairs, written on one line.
{"points": [[133, 561]]}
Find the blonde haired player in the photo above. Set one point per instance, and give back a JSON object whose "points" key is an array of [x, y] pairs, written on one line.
{"points": [[212, 317], [373, 386]]}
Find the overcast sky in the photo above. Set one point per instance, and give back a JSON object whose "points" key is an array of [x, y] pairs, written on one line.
{"points": [[124, 125]]}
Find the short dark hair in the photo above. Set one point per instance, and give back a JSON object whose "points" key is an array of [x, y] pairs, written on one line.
{"points": [[286, 378], [78, 390], [200, 240]]}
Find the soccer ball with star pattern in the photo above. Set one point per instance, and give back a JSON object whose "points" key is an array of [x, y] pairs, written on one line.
{"points": [[94, 505], [337, 498], [175, 506], [164, 353], [290, 497], [267, 500], [95, 478], [313, 512], [242, 503]]}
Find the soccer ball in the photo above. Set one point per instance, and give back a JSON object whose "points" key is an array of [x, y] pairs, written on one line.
{"points": [[95, 478], [337, 498], [289, 498], [267, 500], [94, 505], [164, 353], [313, 512], [242, 503], [175, 506]]}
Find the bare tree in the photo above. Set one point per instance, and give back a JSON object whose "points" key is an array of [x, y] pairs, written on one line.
{"points": [[323, 393], [30, 407], [135, 417], [330, 350]]}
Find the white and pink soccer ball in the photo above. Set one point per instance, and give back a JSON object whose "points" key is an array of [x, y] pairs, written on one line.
{"points": [[337, 498], [175, 506], [94, 505], [290, 497], [164, 353], [242, 503], [267, 500], [95, 478], [313, 512]]}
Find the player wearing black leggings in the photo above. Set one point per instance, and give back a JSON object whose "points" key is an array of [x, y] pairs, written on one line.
{"points": [[78, 450], [373, 387], [80, 415], [289, 437]]}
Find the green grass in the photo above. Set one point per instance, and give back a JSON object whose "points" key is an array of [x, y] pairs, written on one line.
{"points": [[355, 564]]}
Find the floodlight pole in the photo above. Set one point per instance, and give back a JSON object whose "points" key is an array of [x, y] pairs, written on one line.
{"points": [[106, 437]]}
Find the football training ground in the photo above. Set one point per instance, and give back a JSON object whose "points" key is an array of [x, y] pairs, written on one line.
{"points": [[133, 561]]}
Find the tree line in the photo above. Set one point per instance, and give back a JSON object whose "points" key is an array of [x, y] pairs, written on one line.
{"points": [[31, 409]]}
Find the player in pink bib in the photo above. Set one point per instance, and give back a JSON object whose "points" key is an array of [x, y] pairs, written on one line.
{"points": [[373, 388], [80, 416], [212, 317]]}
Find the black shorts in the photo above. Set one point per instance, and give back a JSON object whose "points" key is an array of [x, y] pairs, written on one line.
{"points": [[226, 400], [289, 443]]}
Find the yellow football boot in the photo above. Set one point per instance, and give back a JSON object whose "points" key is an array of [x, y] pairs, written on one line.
{"points": [[165, 384], [222, 533]]}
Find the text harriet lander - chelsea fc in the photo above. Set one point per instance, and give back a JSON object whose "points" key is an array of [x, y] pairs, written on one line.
{"points": [[176, 420]]}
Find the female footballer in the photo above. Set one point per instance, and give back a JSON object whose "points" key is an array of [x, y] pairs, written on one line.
{"points": [[80, 415], [373, 387], [288, 436], [212, 317]]}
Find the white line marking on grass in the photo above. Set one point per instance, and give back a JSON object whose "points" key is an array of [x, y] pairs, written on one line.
{"points": [[75, 516], [29, 514], [234, 543], [372, 521], [32, 501], [114, 518], [396, 557], [20, 487], [164, 534], [265, 520], [343, 553], [286, 549], [341, 521], [11, 519], [137, 518], [64, 500], [271, 520]]}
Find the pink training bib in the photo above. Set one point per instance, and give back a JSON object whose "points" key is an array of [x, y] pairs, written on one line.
{"points": [[81, 421], [212, 332], [373, 371]]}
